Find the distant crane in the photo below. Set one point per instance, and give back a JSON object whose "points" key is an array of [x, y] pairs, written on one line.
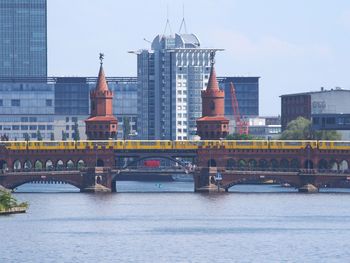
{"points": [[242, 126]]}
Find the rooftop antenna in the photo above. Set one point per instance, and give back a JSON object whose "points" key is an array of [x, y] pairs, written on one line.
{"points": [[167, 25], [183, 22]]}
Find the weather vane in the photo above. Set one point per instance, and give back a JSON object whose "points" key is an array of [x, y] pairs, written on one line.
{"points": [[102, 56]]}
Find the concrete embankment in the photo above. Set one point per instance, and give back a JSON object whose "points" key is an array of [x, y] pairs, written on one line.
{"points": [[13, 210]]}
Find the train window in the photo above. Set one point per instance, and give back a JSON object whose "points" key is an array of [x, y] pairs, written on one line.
{"points": [[293, 143], [243, 143], [148, 143], [341, 143]]}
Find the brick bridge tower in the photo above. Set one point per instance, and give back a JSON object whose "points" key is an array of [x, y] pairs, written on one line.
{"points": [[101, 125], [213, 125]]}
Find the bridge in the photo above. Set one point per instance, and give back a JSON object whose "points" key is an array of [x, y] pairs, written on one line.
{"points": [[93, 170]]}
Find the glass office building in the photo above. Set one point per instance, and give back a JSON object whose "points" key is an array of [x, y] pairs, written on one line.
{"points": [[247, 92], [26, 108], [54, 106], [23, 38]]}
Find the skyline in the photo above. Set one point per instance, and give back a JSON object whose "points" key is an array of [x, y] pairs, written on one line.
{"points": [[294, 49]]}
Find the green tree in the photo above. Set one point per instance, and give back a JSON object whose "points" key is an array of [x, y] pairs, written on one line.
{"points": [[64, 136], [126, 128], [7, 201], [300, 129], [76, 135], [39, 137], [236, 136]]}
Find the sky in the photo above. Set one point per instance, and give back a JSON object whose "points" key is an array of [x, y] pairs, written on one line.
{"points": [[293, 45]]}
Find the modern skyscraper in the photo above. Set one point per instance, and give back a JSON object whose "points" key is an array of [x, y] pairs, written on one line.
{"points": [[171, 77], [23, 38]]}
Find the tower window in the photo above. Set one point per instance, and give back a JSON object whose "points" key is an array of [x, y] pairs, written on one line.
{"points": [[212, 105]]}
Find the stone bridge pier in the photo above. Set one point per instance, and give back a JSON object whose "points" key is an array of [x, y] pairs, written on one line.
{"points": [[98, 179], [204, 180]]}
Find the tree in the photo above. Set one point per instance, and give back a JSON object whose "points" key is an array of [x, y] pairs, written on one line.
{"points": [[76, 135], [126, 128], [64, 136], [39, 137], [301, 129], [26, 137], [236, 136]]}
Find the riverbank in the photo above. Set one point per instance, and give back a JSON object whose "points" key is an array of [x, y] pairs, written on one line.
{"points": [[9, 205]]}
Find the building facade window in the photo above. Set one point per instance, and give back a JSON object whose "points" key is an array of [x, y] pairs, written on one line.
{"points": [[15, 103]]}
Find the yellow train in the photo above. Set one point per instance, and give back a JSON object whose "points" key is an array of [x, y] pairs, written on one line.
{"points": [[176, 145]]}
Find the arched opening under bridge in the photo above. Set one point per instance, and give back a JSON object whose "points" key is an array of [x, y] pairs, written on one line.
{"points": [[100, 163], [211, 163], [3, 164]]}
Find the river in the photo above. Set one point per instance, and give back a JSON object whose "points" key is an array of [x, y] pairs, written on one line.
{"points": [[167, 222]]}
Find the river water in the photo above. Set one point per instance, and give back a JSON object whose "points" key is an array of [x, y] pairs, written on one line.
{"points": [[167, 222]]}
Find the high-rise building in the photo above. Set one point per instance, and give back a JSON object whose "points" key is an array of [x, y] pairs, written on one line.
{"points": [[23, 38], [171, 77]]}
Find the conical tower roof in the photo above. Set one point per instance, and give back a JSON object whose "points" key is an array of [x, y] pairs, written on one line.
{"points": [[101, 81], [213, 82]]}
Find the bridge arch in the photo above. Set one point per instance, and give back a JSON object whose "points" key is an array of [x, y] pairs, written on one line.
{"points": [[179, 162], [70, 165], [212, 163], [38, 165], [322, 165], [27, 165], [230, 164], [100, 163], [274, 164], [19, 183], [17, 165], [80, 164], [263, 164], [276, 179], [284, 164], [59, 165], [252, 164], [333, 165], [242, 164], [3, 164], [49, 165], [295, 164], [344, 166]]}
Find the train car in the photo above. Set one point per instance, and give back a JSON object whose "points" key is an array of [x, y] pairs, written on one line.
{"points": [[186, 145], [245, 144], [147, 145], [14, 145], [334, 145], [51, 145], [209, 144], [291, 145], [117, 144]]}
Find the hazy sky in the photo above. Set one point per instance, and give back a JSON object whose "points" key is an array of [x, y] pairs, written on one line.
{"points": [[293, 45]]}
